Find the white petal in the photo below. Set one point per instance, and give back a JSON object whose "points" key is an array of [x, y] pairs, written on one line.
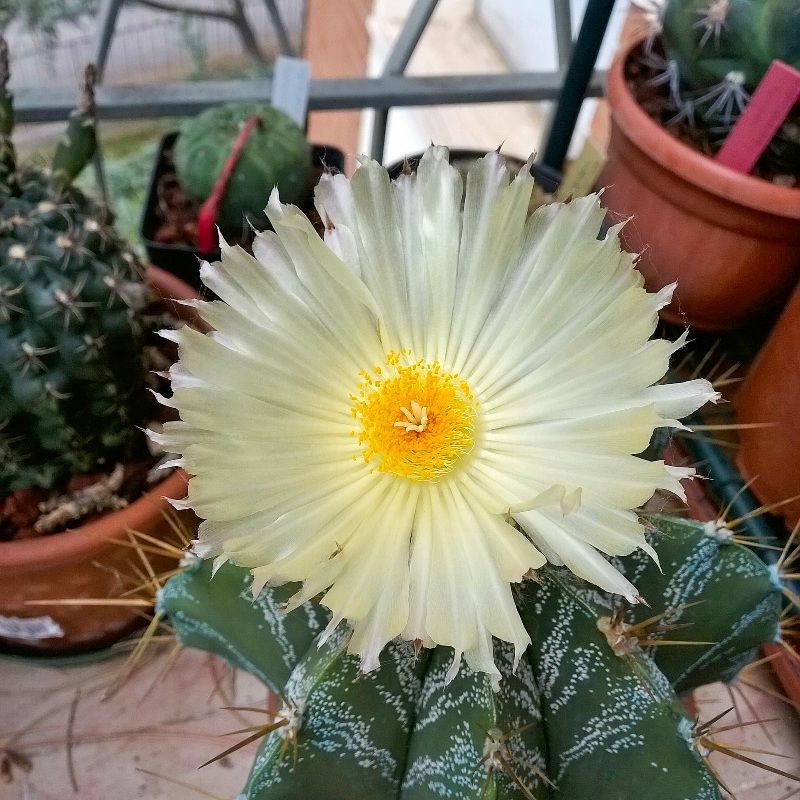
{"points": [[371, 590], [575, 554], [494, 221], [679, 399]]}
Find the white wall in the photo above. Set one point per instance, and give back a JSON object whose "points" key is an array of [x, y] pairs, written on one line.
{"points": [[524, 32]]}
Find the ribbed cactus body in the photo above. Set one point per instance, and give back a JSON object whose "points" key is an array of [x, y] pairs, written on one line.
{"points": [[607, 714], [71, 370], [721, 592], [345, 720], [275, 153], [219, 615], [471, 741], [595, 715]]}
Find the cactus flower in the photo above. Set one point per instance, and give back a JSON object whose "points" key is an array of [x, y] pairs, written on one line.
{"points": [[418, 412]]}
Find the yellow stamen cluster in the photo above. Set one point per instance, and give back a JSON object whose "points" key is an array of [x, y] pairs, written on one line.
{"points": [[417, 420]]}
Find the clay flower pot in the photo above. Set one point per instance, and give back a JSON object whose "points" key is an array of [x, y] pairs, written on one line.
{"points": [[731, 241], [771, 393], [84, 561]]}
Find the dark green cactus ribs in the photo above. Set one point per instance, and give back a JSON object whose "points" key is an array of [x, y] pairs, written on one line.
{"points": [[591, 712], [72, 382], [276, 153]]}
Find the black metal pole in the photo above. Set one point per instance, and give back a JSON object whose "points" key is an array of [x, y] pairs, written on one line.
{"points": [[579, 73]]}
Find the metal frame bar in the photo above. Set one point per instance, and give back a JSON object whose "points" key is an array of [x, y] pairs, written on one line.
{"points": [[396, 64], [564, 42], [284, 42], [106, 22], [575, 80], [48, 104]]}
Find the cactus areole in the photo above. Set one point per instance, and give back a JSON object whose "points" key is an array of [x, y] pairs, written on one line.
{"points": [[230, 157]]}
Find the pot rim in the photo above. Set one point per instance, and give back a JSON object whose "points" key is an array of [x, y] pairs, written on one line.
{"points": [[671, 154], [92, 536]]}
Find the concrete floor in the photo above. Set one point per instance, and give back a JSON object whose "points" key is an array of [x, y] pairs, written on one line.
{"points": [[148, 740]]}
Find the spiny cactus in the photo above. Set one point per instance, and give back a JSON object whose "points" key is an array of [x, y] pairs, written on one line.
{"points": [[717, 51], [71, 370], [275, 153], [595, 695], [709, 39]]}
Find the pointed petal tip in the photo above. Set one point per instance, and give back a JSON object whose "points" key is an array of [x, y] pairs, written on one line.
{"points": [[454, 667], [178, 504], [170, 334]]}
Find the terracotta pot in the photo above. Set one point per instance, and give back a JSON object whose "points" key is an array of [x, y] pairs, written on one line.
{"points": [[85, 561], [731, 241], [771, 393]]}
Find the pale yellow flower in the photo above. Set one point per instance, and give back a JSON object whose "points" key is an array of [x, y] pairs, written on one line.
{"points": [[412, 415]]}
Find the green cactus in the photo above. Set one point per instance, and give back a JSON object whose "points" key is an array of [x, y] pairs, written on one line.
{"points": [[593, 695], [604, 711], [698, 575], [709, 39], [72, 377], [716, 53], [7, 155], [275, 153], [203, 608]]}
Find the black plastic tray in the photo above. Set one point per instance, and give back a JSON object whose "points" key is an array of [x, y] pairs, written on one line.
{"points": [[546, 177]]}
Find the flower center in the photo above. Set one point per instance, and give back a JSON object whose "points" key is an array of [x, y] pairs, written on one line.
{"points": [[417, 421]]}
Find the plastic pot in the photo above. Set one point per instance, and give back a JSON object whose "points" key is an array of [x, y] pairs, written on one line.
{"points": [[181, 260], [85, 562], [731, 241], [546, 177], [770, 456]]}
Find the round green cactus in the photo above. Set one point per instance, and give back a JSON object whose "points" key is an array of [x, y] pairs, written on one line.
{"points": [[711, 39], [72, 376], [275, 153]]}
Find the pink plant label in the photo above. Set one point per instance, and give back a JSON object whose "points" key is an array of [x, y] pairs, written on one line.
{"points": [[771, 102], [207, 216]]}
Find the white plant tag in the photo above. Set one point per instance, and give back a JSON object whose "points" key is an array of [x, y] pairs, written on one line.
{"points": [[30, 628], [290, 85]]}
